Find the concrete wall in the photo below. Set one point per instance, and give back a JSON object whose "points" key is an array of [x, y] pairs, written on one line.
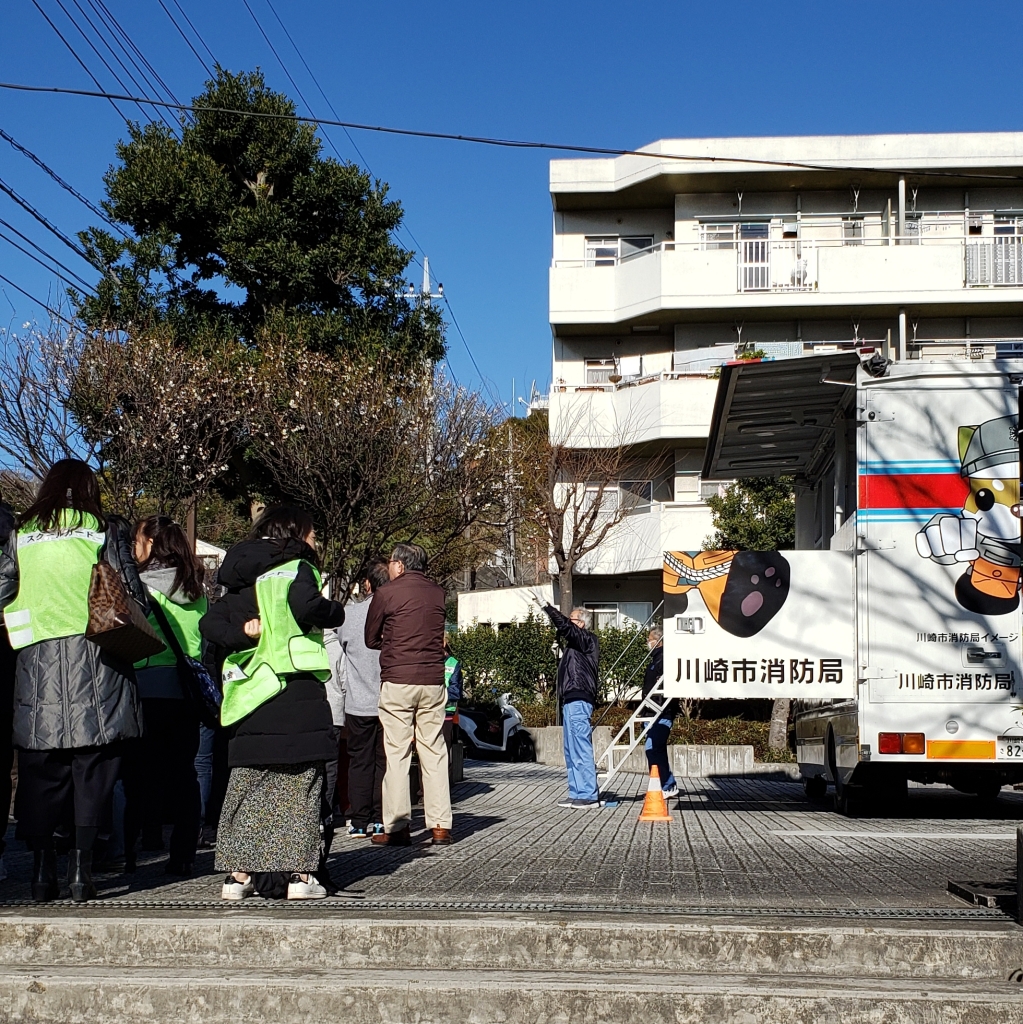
{"points": [[687, 761], [504, 605]]}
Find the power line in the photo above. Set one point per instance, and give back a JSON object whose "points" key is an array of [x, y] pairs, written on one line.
{"points": [[39, 248], [30, 209], [74, 54], [188, 41], [102, 37], [102, 59], [42, 165], [45, 266], [483, 140], [198, 34], [38, 302], [147, 71]]}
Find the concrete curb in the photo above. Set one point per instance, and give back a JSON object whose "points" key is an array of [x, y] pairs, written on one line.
{"points": [[687, 761]]}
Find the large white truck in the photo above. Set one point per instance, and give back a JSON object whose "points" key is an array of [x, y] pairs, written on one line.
{"points": [[895, 624]]}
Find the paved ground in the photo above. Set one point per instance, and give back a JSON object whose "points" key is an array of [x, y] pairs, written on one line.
{"points": [[734, 845]]}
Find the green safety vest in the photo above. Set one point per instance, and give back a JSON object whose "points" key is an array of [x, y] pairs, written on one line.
{"points": [[449, 669], [55, 570], [252, 677], [184, 620]]}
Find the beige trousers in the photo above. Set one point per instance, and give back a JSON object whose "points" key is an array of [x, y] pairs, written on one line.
{"points": [[408, 712]]}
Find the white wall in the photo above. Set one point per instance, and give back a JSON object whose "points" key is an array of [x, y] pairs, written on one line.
{"points": [[504, 605]]}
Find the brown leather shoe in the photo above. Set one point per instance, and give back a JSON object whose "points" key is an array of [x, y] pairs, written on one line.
{"points": [[402, 837], [441, 837]]}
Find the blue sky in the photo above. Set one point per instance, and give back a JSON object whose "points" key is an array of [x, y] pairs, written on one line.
{"points": [[584, 73]]}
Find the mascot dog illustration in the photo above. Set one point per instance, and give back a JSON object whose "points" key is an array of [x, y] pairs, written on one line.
{"points": [[986, 534], [743, 590]]}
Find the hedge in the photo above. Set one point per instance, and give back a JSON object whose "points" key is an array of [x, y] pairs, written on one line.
{"points": [[520, 659]]}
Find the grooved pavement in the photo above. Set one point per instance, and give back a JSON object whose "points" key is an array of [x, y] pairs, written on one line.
{"points": [[735, 845]]}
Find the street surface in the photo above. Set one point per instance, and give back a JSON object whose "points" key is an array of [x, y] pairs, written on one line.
{"points": [[735, 845]]}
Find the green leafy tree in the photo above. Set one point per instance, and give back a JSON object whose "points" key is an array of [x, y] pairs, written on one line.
{"points": [[757, 514], [240, 226]]}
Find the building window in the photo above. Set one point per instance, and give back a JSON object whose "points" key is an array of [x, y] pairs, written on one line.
{"points": [[620, 614], [636, 496], [975, 225], [606, 251], [601, 252], [634, 245], [599, 370], [717, 236], [756, 229], [913, 224], [1007, 229], [852, 230]]}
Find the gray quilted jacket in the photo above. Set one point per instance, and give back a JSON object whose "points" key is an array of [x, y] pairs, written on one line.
{"points": [[67, 692]]}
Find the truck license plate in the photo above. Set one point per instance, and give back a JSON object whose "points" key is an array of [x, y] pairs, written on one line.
{"points": [[1010, 748]]}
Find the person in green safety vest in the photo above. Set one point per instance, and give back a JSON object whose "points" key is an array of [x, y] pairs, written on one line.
{"points": [[74, 704], [161, 785], [453, 682], [270, 626]]}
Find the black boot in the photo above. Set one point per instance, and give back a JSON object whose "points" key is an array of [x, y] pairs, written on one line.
{"points": [[44, 875], [79, 875]]}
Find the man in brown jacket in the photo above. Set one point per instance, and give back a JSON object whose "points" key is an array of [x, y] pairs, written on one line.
{"points": [[405, 624]]}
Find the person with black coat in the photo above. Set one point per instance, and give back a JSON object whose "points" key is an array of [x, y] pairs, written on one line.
{"points": [[8, 589], [578, 684], [74, 704], [657, 738], [269, 834]]}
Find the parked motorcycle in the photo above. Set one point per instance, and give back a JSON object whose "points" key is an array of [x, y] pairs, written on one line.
{"points": [[486, 735]]}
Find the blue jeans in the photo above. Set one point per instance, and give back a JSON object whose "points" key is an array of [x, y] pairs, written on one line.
{"points": [[657, 750], [582, 771], [204, 764]]}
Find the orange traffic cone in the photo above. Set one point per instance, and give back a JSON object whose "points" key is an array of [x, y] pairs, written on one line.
{"points": [[655, 807]]}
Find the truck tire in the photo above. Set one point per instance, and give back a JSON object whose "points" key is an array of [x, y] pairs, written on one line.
{"points": [[815, 787]]}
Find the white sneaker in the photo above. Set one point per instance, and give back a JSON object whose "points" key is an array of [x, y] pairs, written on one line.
{"points": [[235, 890], [311, 890], [3, 869], [671, 790]]}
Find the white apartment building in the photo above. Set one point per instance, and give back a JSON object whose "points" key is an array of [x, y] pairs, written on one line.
{"points": [[667, 265]]}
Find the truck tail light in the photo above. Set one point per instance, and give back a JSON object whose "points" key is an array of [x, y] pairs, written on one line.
{"points": [[900, 743], [889, 743], [913, 743]]}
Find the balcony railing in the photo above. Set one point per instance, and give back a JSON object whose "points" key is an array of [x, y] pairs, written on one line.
{"points": [[791, 264]]}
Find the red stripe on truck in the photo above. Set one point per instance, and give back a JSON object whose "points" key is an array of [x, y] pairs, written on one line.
{"points": [[913, 490]]}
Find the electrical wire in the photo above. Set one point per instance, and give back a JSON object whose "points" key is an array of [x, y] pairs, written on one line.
{"points": [[38, 302], [40, 249], [102, 59], [131, 51], [188, 41], [45, 266], [30, 209], [42, 165], [198, 34], [74, 53], [484, 140], [102, 38]]}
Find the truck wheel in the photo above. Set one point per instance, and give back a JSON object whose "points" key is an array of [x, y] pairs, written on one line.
{"points": [[989, 790], [815, 788], [850, 801]]}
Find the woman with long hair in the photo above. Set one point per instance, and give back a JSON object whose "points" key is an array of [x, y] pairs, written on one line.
{"points": [[270, 625], [74, 704], [161, 781]]}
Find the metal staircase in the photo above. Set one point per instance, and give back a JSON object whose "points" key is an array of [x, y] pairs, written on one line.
{"points": [[609, 764]]}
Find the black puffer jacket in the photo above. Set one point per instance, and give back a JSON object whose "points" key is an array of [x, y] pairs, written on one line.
{"points": [[8, 558], [67, 692], [296, 726], [577, 670]]}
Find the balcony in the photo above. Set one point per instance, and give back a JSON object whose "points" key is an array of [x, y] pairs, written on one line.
{"points": [[638, 542], [659, 407], [785, 272]]}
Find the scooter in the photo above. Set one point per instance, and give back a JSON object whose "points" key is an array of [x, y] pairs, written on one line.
{"points": [[484, 736]]}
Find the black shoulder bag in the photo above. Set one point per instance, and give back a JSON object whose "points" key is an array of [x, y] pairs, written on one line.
{"points": [[199, 686]]}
